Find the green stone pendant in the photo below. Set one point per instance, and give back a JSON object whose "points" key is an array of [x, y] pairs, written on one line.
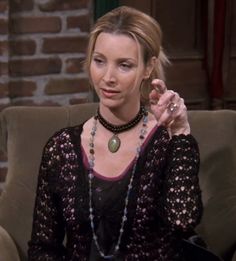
{"points": [[114, 143]]}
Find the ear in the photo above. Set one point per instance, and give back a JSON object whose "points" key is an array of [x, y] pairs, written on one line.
{"points": [[149, 67]]}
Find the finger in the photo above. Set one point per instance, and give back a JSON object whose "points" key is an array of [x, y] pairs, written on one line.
{"points": [[180, 113], [172, 109], [159, 86], [165, 119], [159, 106], [166, 98], [175, 117], [154, 97], [174, 104]]}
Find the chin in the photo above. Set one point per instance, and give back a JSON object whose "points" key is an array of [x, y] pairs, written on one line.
{"points": [[111, 104]]}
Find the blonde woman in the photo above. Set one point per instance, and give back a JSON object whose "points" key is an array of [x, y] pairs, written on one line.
{"points": [[124, 185]]}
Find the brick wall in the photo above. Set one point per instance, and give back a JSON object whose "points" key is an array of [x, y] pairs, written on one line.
{"points": [[42, 45]]}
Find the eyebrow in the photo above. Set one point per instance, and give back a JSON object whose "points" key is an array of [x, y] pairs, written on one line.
{"points": [[119, 59]]}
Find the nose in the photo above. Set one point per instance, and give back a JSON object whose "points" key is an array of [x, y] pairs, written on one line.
{"points": [[109, 75]]}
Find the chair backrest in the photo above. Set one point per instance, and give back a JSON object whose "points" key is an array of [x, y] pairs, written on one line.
{"points": [[25, 130]]}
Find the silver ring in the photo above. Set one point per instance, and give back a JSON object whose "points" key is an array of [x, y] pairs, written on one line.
{"points": [[172, 107]]}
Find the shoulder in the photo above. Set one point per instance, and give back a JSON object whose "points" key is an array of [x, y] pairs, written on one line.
{"points": [[62, 139], [87, 126], [62, 135]]}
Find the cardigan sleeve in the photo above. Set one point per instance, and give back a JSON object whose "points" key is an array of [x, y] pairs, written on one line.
{"points": [[48, 229], [181, 201]]}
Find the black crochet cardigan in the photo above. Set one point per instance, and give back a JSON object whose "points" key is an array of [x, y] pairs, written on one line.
{"points": [[164, 205]]}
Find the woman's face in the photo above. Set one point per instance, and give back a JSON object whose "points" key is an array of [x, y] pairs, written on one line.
{"points": [[117, 69]]}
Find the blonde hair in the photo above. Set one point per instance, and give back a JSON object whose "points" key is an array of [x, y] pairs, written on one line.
{"points": [[140, 26]]}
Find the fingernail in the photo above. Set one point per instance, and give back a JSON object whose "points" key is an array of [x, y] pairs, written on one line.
{"points": [[159, 90], [153, 102]]}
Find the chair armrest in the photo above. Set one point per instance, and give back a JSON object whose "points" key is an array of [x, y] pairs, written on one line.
{"points": [[8, 248]]}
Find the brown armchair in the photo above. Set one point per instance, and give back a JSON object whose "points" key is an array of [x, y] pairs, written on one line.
{"points": [[25, 130]]}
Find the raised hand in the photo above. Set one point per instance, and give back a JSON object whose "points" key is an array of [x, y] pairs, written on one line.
{"points": [[169, 109]]}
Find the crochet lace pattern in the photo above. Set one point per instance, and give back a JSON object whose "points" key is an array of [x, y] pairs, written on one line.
{"points": [[165, 203]]}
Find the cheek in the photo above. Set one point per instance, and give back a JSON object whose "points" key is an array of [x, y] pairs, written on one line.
{"points": [[95, 74], [129, 77], [133, 81]]}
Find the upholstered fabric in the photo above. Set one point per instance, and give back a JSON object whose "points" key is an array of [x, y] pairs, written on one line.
{"points": [[214, 130], [8, 251]]}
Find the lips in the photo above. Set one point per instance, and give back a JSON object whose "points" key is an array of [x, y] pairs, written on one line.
{"points": [[109, 93]]}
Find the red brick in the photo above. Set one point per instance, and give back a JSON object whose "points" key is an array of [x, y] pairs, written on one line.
{"points": [[3, 26], [74, 65], [22, 47], [3, 47], [3, 174], [79, 22], [22, 5], [29, 67], [53, 5], [21, 88], [64, 86], [24, 25], [3, 6], [3, 68], [65, 44], [3, 90]]}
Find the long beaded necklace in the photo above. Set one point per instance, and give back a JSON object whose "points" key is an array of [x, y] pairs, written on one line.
{"points": [[142, 134], [114, 142]]}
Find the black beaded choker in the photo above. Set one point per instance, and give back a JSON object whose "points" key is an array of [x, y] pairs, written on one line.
{"points": [[114, 142]]}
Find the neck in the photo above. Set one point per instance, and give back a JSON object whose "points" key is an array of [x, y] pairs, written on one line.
{"points": [[123, 127], [119, 116]]}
